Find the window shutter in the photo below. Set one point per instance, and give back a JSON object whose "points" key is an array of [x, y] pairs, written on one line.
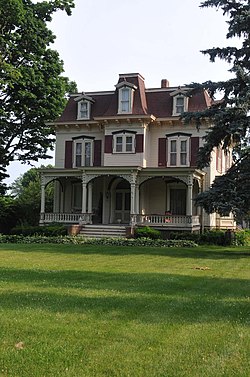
{"points": [[108, 143], [139, 143], [68, 154], [97, 152], [194, 150], [162, 151]]}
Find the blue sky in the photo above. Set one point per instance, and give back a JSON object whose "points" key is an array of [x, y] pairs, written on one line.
{"points": [[159, 39]]}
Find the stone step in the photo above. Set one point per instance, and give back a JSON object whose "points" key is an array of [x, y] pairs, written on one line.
{"points": [[99, 231]]}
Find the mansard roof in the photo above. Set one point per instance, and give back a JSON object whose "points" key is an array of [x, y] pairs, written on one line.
{"points": [[155, 101]]}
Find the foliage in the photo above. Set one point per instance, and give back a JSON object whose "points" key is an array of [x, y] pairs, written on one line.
{"points": [[147, 232], [27, 190], [230, 116], [48, 230], [77, 240], [242, 238], [32, 89], [8, 213], [214, 237]]}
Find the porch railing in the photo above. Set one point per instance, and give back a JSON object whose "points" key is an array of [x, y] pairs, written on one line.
{"points": [[67, 218], [167, 220]]}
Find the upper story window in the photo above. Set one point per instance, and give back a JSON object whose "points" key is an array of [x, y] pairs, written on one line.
{"points": [[83, 106], [124, 143], [125, 97], [180, 102], [83, 153], [83, 110], [178, 147]]}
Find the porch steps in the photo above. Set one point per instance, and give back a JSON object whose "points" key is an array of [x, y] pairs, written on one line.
{"points": [[100, 231]]}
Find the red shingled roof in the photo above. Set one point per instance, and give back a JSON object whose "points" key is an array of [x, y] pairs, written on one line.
{"points": [[157, 102]]}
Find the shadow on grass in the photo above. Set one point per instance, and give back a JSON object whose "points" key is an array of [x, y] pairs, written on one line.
{"points": [[150, 298], [208, 252]]}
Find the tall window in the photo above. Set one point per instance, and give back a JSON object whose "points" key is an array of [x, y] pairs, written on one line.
{"points": [[179, 105], [124, 143], [83, 110], [83, 153], [183, 152], [173, 152], [125, 100], [178, 151], [125, 97]]}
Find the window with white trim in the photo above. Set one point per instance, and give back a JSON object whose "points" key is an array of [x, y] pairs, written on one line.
{"points": [[180, 104], [124, 143], [83, 153], [178, 148], [125, 100], [83, 110]]}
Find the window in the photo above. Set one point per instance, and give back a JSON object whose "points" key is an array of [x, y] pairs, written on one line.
{"points": [[178, 151], [180, 104], [124, 143], [83, 110], [125, 97], [83, 153], [125, 100]]}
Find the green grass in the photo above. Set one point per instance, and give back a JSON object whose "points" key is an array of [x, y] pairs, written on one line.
{"points": [[108, 311]]}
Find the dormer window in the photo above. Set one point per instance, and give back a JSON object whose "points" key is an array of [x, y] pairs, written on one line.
{"points": [[180, 102], [83, 110], [83, 106], [125, 100], [125, 97]]}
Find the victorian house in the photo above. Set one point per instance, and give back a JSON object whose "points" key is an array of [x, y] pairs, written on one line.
{"points": [[124, 157]]}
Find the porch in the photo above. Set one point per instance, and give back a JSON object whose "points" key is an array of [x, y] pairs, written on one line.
{"points": [[131, 197], [167, 222]]}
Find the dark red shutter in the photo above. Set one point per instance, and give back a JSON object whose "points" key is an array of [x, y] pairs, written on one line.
{"points": [[139, 143], [108, 144], [97, 152], [68, 154], [194, 150], [162, 151]]}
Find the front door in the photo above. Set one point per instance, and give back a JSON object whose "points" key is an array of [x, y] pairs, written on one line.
{"points": [[122, 206]]}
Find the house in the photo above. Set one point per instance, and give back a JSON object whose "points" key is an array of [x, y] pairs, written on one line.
{"points": [[125, 157]]}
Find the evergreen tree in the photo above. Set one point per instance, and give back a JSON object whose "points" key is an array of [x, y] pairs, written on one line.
{"points": [[32, 89], [230, 117]]}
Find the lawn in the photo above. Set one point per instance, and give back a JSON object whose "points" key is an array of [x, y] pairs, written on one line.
{"points": [[68, 310]]}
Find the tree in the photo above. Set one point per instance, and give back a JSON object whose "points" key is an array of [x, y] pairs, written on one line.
{"points": [[32, 88], [9, 213], [229, 116], [27, 192]]}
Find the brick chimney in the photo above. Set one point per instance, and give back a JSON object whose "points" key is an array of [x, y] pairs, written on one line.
{"points": [[164, 83]]}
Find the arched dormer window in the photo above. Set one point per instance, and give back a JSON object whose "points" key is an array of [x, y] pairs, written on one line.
{"points": [[180, 102], [83, 107], [125, 97]]}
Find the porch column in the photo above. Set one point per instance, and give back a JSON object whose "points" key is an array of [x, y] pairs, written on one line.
{"points": [[189, 208], [90, 194], [84, 195], [42, 198], [132, 210], [137, 199]]}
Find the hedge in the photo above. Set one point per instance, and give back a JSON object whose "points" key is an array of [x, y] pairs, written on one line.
{"points": [[77, 240]]}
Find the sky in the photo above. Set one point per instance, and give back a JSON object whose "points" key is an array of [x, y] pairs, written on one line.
{"points": [[159, 39]]}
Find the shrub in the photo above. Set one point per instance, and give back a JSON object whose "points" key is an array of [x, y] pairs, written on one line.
{"points": [[242, 238], [147, 232], [49, 230], [77, 240]]}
